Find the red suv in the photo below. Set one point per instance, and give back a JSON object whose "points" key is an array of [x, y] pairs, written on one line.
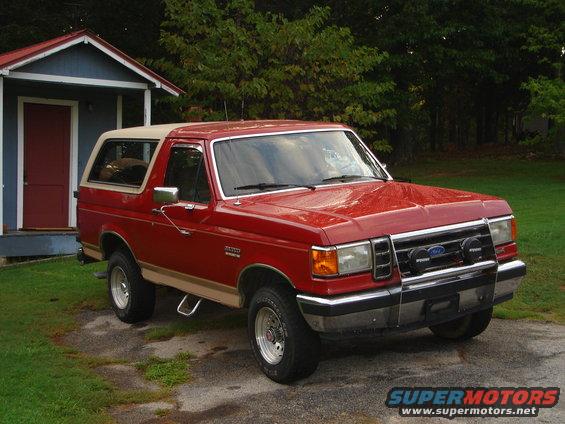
{"points": [[299, 223]]}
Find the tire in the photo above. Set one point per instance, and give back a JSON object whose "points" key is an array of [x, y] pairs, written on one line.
{"points": [[132, 298], [464, 328], [300, 352]]}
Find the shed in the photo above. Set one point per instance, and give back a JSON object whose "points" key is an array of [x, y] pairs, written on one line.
{"points": [[56, 98]]}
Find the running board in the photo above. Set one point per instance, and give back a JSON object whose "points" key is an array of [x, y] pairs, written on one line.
{"points": [[191, 312], [101, 275]]}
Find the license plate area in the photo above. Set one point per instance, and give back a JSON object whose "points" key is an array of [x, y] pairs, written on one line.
{"points": [[441, 306]]}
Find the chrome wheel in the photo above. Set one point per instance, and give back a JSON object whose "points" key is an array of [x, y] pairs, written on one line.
{"points": [[269, 335], [119, 286]]}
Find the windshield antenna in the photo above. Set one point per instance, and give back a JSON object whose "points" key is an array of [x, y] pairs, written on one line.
{"points": [[237, 202]]}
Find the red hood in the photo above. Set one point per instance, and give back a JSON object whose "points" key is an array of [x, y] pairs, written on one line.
{"points": [[350, 212]]}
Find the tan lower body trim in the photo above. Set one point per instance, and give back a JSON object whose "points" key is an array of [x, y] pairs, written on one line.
{"points": [[207, 289], [92, 251]]}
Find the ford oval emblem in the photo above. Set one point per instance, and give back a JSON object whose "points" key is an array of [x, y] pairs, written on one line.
{"points": [[436, 250]]}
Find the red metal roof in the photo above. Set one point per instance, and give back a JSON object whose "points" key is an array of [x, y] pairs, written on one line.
{"points": [[11, 58], [212, 130]]}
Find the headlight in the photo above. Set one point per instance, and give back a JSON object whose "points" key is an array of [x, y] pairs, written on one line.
{"points": [[503, 230], [354, 258], [342, 259]]}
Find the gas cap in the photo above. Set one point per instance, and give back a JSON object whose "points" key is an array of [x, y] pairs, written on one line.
{"points": [[472, 250], [419, 260]]}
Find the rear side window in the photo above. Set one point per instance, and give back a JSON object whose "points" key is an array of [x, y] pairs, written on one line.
{"points": [[123, 162]]}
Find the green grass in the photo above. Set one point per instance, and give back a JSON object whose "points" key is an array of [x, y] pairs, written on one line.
{"points": [[40, 380], [193, 325], [536, 192], [166, 372]]}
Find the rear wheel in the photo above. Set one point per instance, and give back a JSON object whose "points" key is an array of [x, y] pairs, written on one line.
{"points": [[132, 298], [465, 327], [283, 344]]}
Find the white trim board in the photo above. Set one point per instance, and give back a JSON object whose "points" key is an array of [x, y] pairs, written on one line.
{"points": [[94, 82], [86, 39], [45, 54], [73, 154]]}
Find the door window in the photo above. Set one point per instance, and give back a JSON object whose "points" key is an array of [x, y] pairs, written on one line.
{"points": [[186, 171]]}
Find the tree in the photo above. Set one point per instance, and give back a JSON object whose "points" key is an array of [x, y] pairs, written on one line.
{"points": [[263, 65]]}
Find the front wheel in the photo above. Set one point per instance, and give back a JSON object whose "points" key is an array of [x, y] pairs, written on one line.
{"points": [[465, 327], [283, 344]]}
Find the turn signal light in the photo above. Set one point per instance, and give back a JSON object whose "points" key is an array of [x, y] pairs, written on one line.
{"points": [[514, 229], [324, 262]]}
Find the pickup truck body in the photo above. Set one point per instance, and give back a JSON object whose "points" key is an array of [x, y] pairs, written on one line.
{"points": [[220, 248]]}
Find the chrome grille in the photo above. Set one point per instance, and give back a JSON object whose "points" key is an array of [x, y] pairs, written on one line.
{"points": [[382, 258], [450, 239]]}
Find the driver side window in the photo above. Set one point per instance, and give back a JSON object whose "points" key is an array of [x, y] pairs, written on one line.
{"points": [[187, 171]]}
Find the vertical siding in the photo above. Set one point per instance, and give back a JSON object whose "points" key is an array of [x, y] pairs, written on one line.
{"points": [[90, 126]]}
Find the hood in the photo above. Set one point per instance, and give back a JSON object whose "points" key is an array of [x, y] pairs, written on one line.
{"points": [[362, 210]]}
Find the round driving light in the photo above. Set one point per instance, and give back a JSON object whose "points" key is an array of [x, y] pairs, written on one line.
{"points": [[419, 260], [472, 250]]}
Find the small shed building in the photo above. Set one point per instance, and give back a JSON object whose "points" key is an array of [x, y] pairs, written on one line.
{"points": [[56, 98]]}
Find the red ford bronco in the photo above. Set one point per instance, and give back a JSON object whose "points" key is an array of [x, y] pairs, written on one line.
{"points": [[299, 223]]}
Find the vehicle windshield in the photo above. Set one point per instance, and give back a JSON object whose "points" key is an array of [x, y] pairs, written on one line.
{"points": [[276, 162]]}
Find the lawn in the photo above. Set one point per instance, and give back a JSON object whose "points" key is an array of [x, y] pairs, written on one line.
{"points": [[535, 191], [41, 381]]}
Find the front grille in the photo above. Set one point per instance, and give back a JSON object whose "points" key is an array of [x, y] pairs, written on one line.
{"points": [[382, 258], [451, 240]]}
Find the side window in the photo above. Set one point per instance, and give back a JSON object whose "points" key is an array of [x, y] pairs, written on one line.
{"points": [[123, 162], [187, 171]]}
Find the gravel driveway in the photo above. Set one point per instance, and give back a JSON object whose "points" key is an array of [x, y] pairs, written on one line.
{"points": [[350, 384]]}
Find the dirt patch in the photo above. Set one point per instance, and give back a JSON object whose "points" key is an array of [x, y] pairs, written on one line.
{"points": [[125, 377], [351, 382], [144, 413]]}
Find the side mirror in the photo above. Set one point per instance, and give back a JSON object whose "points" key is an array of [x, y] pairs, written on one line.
{"points": [[383, 165], [166, 195]]}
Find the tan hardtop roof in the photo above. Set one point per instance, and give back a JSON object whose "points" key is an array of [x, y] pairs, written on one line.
{"points": [[151, 132], [208, 130]]}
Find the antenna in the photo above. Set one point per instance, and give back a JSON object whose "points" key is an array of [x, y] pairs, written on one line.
{"points": [[237, 202]]}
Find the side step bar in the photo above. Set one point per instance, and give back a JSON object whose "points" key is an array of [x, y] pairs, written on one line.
{"points": [[185, 312]]}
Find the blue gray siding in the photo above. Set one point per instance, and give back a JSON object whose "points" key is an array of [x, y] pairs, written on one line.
{"points": [[83, 61], [90, 125], [40, 244]]}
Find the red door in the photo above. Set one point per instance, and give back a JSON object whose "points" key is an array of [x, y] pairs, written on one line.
{"points": [[47, 132]]}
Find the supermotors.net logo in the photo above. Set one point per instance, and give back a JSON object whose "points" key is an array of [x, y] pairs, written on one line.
{"points": [[451, 402]]}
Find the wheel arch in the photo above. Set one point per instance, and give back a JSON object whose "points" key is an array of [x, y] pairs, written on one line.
{"points": [[110, 241], [255, 275]]}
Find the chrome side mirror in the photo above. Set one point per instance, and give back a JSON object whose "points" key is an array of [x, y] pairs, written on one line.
{"points": [[383, 165], [166, 195]]}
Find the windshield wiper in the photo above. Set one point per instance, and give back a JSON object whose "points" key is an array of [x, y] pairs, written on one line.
{"points": [[266, 186], [352, 177]]}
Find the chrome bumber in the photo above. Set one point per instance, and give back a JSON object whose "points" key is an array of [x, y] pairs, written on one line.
{"points": [[477, 286], [435, 276]]}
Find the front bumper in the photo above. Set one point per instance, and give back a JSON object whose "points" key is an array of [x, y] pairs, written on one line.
{"points": [[419, 302]]}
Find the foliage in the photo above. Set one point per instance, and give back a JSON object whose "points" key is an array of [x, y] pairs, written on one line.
{"points": [[547, 98], [266, 66], [412, 74]]}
